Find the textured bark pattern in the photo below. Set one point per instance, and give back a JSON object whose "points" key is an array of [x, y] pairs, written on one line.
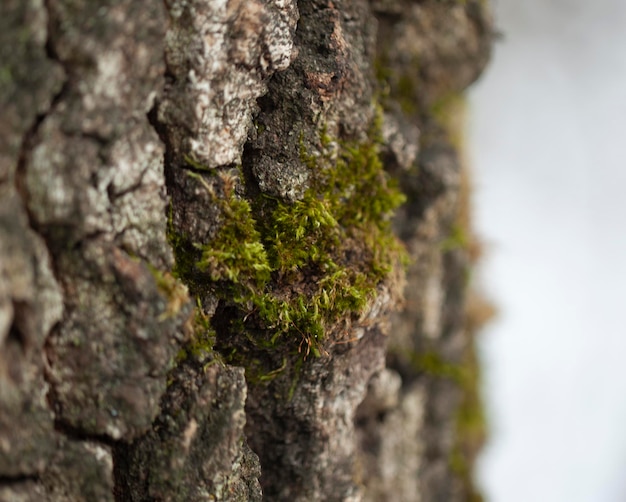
{"points": [[125, 120], [92, 183], [194, 450], [306, 444], [428, 53], [219, 55]]}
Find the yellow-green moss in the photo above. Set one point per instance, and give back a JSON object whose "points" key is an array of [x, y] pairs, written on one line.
{"points": [[405, 94], [449, 112], [398, 86], [296, 268], [235, 255], [337, 240], [195, 164], [432, 364], [202, 338], [470, 425], [173, 289], [457, 239]]}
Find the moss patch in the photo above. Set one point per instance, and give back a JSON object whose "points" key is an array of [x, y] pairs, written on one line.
{"points": [[174, 290], [471, 428], [289, 272], [470, 423], [202, 338]]}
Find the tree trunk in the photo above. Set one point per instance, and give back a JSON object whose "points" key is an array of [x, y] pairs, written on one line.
{"points": [[234, 249]]}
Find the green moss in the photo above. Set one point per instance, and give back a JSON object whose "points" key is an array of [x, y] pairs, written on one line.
{"points": [[405, 93], [396, 85], [200, 345], [449, 112], [260, 128], [470, 425], [172, 288], [297, 268], [336, 243], [185, 253], [6, 76], [432, 364], [234, 259], [299, 233], [457, 239], [236, 255], [195, 164]]}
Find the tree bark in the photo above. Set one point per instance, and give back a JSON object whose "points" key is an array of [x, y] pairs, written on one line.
{"points": [[205, 213]]}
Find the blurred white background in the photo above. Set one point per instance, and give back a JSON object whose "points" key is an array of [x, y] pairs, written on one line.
{"points": [[547, 133]]}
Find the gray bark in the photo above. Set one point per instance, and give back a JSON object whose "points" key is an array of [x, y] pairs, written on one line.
{"points": [[133, 367]]}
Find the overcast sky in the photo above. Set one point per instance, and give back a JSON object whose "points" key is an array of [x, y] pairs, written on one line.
{"points": [[547, 136]]}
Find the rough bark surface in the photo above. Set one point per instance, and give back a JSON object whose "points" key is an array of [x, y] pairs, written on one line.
{"points": [[141, 358]]}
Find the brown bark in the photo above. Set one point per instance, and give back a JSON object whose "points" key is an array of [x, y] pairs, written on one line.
{"points": [[130, 133]]}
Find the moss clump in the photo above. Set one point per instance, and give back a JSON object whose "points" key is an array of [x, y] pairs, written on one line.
{"points": [[434, 365], [449, 111], [236, 255], [398, 87], [200, 345], [471, 426], [194, 164], [173, 289], [298, 268], [335, 245], [470, 423], [456, 239], [405, 90], [233, 263]]}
